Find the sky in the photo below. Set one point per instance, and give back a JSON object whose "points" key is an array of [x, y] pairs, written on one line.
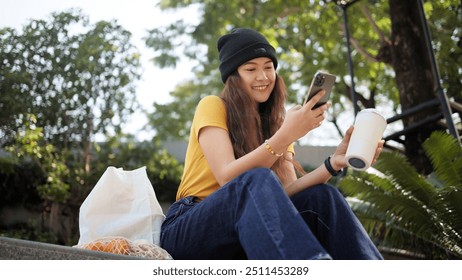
{"points": [[136, 16]]}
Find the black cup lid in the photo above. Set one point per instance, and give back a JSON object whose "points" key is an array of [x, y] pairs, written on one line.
{"points": [[357, 163]]}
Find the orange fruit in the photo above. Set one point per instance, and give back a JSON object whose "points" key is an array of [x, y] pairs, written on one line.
{"points": [[116, 245]]}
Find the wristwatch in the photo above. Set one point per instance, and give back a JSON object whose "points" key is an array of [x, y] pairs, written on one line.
{"points": [[330, 168]]}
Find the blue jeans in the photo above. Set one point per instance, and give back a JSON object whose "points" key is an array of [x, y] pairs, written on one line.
{"points": [[252, 217]]}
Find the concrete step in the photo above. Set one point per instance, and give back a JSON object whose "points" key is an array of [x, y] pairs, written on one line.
{"points": [[18, 249]]}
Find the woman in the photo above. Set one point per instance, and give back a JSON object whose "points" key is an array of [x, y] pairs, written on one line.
{"points": [[239, 196]]}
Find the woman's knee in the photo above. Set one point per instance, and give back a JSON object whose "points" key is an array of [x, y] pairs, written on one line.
{"points": [[325, 188], [323, 192], [259, 174], [259, 171], [262, 179]]}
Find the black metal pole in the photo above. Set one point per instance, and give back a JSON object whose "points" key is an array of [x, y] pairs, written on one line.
{"points": [[436, 75], [344, 5]]}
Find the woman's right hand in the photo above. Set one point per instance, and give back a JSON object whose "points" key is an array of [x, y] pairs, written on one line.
{"points": [[300, 120]]}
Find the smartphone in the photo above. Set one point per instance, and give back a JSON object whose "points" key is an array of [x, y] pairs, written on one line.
{"points": [[321, 80]]}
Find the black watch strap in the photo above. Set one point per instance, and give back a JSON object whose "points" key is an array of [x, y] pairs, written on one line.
{"points": [[330, 168]]}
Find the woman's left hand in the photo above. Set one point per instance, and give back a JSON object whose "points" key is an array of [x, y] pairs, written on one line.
{"points": [[338, 158]]}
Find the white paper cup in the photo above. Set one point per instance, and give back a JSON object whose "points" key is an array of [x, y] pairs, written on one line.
{"points": [[368, 130]]}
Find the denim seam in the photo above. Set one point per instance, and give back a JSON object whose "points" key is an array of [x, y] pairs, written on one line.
{"points": [[317, 217]]}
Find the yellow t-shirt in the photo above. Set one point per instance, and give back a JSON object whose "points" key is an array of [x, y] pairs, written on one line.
{"points": [[198, 179]]}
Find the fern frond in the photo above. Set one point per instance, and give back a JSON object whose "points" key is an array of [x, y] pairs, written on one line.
{"points": [[389, 234], [446, 156], [400, 172]]}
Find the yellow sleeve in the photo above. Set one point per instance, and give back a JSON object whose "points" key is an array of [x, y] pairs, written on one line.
{"points": [[291, 149], [210, 111]]}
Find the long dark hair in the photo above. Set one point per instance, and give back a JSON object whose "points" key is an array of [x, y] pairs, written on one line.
{"points": [[249, 125]]}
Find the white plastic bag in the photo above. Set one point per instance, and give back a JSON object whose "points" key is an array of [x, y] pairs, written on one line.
{"points": [[122, 203]]}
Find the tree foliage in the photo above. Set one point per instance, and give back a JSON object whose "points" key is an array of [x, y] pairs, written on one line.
{"points": [[29, 145], [77, 79], [310, 35], [62, 82]]}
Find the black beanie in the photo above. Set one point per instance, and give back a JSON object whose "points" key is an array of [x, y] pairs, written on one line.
{"points": [[240, 46]]}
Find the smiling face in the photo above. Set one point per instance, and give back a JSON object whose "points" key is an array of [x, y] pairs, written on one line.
{"points": [[258, 77]]}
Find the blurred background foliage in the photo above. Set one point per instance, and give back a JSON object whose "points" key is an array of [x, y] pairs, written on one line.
{"points": [[62, 83]]}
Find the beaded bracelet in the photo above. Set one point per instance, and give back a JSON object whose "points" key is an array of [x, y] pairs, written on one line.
{"points": [[268, 147]]}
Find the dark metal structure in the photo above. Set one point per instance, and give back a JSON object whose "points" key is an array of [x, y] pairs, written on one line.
{"points": [[440, 98]]}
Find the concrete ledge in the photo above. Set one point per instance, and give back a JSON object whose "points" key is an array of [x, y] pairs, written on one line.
{"points": [[17, 249]]}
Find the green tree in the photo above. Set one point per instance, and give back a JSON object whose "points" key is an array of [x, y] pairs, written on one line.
{"points": [[406, 211], [78, 79], [62, 82], [30, 145], [386, 37]]}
